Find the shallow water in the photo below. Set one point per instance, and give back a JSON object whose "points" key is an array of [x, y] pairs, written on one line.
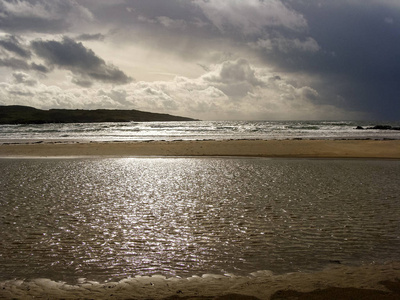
{"points": [[107, 219]]}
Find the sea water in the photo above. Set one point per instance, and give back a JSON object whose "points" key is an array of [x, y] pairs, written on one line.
{"points": [[199, 130], [106, 219]]}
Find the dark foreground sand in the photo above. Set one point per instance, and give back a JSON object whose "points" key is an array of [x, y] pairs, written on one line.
{"points": [[344, 293], [254, 148]]}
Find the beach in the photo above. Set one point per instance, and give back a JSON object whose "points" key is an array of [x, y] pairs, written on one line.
{"points": [[199, 150], [387, 149], [336, 281], [344, 283]]}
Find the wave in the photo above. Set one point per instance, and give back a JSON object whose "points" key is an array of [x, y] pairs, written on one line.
{"points": [[199, 130], [304, 127], [258, 285]]}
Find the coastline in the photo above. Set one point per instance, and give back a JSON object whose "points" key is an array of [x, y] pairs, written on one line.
{"points": [[378, 282], [381, 282], [295, 148]]}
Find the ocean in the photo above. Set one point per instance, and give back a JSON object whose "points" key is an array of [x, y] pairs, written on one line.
{"points": [[197, 130]]}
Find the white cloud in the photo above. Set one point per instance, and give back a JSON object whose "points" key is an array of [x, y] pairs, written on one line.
{"points": [[235, 78], [231, 90], [251, 17], [233, 72]]}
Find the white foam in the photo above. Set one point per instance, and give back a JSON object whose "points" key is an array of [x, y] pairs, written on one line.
{"points": [[261, 284]]}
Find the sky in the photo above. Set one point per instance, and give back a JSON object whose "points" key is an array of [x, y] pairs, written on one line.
{"points": [[205, 59]]}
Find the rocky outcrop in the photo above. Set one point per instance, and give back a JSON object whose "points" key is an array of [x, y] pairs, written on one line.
{"points": [[379, 127]]}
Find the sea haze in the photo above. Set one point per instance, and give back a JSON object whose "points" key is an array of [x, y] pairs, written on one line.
{"points": [[196, 130], [109, 219]]}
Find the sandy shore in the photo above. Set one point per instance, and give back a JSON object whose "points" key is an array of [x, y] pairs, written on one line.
{"points": [[252, 148], [377, 282], [368, 282]]}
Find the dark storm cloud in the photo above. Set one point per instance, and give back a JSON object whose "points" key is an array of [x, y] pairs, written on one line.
{"points": [[194, 29], [91, 37], [11, 44], [14, 63], [358, 56], [20, 64], [40, 68], [127, 12], [165, 23], [211, 18], [174, 9], [18, 55], [83, 62], [82, 82], [40, 15]]}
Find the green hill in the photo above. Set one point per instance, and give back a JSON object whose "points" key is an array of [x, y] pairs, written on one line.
{"points": [[16, 114]]}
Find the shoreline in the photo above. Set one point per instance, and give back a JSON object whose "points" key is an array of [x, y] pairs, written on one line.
{"points": [[296, 148], [378, 282]]}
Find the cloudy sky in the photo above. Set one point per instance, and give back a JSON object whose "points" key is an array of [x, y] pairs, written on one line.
{"points": [[206, 59]]}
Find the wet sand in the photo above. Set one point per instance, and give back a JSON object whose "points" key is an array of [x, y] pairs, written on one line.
{"points": [[378, 282], [367, 282], [252, 148]]}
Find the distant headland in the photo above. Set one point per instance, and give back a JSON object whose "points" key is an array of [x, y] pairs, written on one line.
{"points": [[16, 114]]}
